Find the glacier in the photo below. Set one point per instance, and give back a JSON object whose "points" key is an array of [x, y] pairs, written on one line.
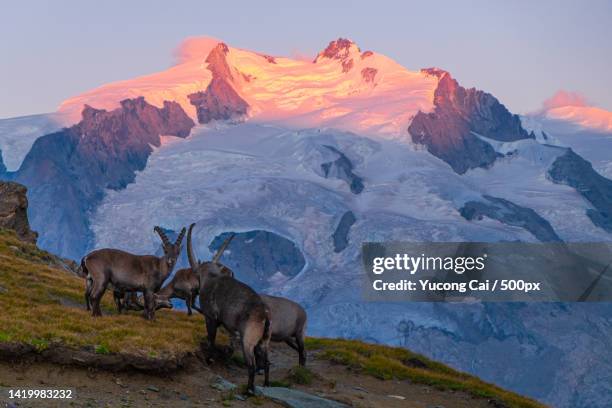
{"points": [[248, 176]]}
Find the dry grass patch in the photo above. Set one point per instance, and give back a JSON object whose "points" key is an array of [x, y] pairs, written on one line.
{"points": [[388, 363], [43, 306]]}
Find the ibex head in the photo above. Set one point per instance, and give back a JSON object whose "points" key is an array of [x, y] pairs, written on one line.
{"points": [[162, 302], [171, 251]]}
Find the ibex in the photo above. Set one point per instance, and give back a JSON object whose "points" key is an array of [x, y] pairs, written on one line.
{"points": [[129, 272], [288, 324], [227, 302], [125, 300], [184, 285]]}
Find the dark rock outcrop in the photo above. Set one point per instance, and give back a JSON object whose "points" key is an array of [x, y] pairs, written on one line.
{"points": [[270, 59], [448, 131], [342, 168], [14, 211], [261, 258], [347, 65], [368, 74], [510, 214], [573, 170], [338, 49], [340, 235], [67, 172], [219, 101]]}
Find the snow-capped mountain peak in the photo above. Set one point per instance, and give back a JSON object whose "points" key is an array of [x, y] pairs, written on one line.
{"points": [[341, 49], [343, 88]]}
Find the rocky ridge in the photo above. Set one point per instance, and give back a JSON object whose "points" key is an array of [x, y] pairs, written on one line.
{"points": [[14, 211], [67, 172]]}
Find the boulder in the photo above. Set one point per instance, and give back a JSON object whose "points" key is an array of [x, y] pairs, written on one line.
{"points": [[14, 211]]}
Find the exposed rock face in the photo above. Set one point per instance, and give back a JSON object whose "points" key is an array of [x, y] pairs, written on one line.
{"points": [[347, 65], [270, 59], [67, 172], [342, 168], [340, 235], [219, 101], [260, 258], [448, 131], [14, 211], [573, 170], [368, 74], [338, 49], [2, 166], [511, 214]]}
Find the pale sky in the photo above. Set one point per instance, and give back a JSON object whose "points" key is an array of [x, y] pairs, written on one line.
{"points": [[520, 51]]}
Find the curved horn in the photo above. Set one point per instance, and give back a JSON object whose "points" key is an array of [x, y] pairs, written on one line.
{"points": [[192, 259], [180, 237], [162, 235], [223, 247]]}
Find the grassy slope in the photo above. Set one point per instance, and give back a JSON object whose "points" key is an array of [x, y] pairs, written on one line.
{"points": [[43, 306]]}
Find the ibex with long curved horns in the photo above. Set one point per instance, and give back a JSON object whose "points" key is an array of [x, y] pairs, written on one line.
{"points": [[129, 272], [227, 302]]}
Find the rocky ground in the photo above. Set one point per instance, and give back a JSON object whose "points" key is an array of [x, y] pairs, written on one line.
{"points": [[198, 386]]}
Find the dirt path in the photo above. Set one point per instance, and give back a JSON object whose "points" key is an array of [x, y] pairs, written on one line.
{"points": [[192, 388]]}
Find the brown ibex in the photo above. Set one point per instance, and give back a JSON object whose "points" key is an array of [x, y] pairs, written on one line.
{"points": [[288, 324], [129, 272], [184, 285], [227, 302], [127, 300]]}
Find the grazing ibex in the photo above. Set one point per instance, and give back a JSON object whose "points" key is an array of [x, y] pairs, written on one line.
{"points": [[230, 303], [129, 272], [184, 285]]}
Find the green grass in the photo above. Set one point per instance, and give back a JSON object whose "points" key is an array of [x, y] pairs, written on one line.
{"points": [[43, 306], [101, 349], [279, 383], [387, 363]]}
